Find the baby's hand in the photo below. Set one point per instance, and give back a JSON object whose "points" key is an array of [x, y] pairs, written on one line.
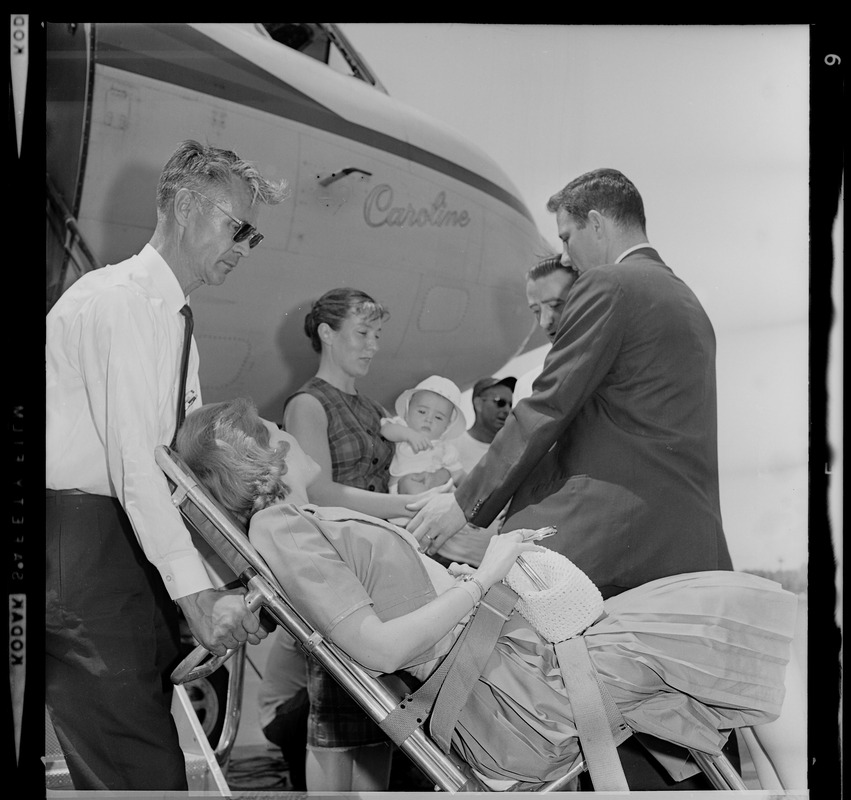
{"points": [[419, 441]]}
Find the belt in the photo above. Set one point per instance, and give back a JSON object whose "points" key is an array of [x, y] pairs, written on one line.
{"points": [[65, 491]]}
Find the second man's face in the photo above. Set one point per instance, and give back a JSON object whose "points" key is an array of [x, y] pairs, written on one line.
{"points": [[547, 296]]}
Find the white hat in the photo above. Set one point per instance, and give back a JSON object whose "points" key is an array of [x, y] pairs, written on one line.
{"points": [[445, 388]]}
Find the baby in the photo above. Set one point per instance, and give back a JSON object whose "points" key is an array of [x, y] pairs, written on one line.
{"points": [[427, 417]]}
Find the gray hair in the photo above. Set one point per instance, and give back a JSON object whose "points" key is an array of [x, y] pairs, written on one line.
{"points": [[200, 167]]}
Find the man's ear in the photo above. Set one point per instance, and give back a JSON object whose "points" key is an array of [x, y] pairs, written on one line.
{"points": [[597, 222], [182, 206]]}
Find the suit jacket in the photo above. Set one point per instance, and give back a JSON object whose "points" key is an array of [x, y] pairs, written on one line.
{"points": [[617, 445]]}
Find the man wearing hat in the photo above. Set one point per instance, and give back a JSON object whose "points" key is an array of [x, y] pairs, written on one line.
{"points": [[492, 399]]}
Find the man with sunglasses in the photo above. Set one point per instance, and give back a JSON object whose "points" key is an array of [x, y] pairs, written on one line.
{"points": [[491, 399], [122, 369]]}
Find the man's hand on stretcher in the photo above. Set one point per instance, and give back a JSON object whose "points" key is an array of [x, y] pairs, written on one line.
{"points": [[436, 519], [220, 620]]}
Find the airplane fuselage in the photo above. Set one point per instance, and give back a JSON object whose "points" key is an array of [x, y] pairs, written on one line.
{"points": [[382, 199]]}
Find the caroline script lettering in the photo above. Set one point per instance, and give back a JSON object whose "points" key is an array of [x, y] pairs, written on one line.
{"points": [[378, 210]]}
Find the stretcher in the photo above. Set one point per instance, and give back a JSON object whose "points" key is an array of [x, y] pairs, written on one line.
{"points": [[225, 546]]}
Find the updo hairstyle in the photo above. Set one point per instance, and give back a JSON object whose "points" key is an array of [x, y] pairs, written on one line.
{"points": [[335, 306]]}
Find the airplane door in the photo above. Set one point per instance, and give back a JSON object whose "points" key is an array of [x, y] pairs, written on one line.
{"points": [[67, 105]]}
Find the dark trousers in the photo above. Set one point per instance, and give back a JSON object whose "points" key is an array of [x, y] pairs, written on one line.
{"points": [[644, 773], [112, 640], [289, 732]]}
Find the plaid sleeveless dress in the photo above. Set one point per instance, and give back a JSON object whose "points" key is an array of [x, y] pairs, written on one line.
{"points": [[360, 457]]}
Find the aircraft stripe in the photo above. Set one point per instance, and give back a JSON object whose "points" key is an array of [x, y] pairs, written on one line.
{"points": [[180, 55]]}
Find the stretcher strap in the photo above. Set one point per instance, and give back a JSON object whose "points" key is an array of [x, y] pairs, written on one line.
{"points": [[485, 628], [600, 725], [449, 686]]}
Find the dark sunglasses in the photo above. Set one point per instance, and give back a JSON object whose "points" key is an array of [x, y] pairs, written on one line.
{"points": [[499, 402], [243, 231]]}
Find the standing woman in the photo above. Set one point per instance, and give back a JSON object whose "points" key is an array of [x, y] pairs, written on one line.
{"points": [[340, 429], [333, 422]]}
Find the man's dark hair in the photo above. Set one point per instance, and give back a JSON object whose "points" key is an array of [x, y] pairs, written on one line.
{"points": [[607, 191], [546, 267]]}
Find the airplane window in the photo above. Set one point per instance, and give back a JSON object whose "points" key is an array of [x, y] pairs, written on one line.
{"points": [[337, 62], [305, 37], [324, 43]]}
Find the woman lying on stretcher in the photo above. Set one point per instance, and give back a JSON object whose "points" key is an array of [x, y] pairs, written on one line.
{"points": [[685, 658]]}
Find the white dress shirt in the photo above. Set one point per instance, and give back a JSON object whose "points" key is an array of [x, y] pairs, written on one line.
{"points": [[632, 249], [114, 341]]}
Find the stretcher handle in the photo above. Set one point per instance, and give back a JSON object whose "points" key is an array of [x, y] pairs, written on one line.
{"points": [[192, 668]]}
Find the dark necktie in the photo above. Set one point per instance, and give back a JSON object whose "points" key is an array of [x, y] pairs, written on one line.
{"points": [[184, 366]]}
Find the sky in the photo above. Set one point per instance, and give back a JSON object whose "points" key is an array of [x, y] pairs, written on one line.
{"points": [[711, 124]]}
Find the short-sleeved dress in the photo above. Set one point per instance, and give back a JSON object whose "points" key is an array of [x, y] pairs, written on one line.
{"points": [[686, 658], [360, 457]]}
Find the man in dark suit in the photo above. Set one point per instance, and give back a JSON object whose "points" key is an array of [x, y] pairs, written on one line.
{"points": [[617, 445]]}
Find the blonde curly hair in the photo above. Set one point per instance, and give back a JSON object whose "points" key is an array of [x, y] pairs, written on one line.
{"points": [[226, 445]]}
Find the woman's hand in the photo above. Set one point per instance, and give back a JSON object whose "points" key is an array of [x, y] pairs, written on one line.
{"points": [[456, 570], [500, 556]]}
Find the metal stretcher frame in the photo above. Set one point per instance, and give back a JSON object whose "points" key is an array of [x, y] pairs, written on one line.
{"points": [[214, 527]]}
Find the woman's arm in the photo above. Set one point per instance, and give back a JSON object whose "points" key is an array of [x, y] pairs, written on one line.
{"points": [[306, 420], [393, 431], [392, 645]]}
